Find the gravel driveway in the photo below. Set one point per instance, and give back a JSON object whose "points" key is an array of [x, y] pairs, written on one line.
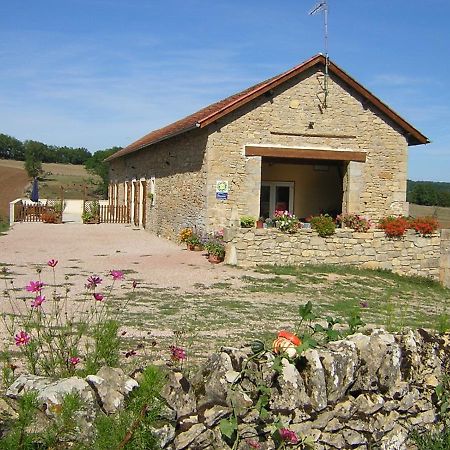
{"points": [[97, 249]]}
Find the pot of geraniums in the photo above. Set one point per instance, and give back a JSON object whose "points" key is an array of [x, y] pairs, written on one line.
{"points": [[216, 250], [194, 243]]}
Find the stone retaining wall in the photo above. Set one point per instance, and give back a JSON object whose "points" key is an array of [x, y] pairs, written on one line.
{"points": [[359, 393], [410, 255]]}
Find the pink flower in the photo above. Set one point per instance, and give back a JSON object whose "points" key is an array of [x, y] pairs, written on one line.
{"points": [[288, 436], [34, 286], [37, 301], [93, 282], [178, 353], [22, 338], [52, 263], [74, 360], [364, 304], [117, 274], [98, 297]]}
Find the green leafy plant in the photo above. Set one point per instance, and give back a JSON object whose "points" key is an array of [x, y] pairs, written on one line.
{"points": [[247, 222], [323, 224], [215, 247]]}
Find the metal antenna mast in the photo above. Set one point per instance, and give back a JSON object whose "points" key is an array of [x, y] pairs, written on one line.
{"points": [[323, 6]]}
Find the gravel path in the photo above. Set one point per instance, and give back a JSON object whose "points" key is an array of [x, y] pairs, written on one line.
{"points": [[97, 249]]}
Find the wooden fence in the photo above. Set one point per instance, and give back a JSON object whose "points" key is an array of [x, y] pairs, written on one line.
{"points": [[28, 213], [114, 214]]}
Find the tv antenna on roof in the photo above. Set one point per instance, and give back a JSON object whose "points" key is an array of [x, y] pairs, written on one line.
{"points": [[322, 6]]}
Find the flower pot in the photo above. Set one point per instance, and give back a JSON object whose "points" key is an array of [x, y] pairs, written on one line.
{"points": [[259, 224], [214, 259], [198, 248], [190, 247]]}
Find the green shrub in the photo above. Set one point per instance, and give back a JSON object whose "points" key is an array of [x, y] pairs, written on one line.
{"points": [[247, 222], [324, 225]]}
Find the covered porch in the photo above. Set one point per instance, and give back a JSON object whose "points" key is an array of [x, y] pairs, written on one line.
{"points": [[303, 180]]}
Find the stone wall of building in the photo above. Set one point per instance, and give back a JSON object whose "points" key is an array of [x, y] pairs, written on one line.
{"points": [[179, 168], [284, 118], [410, 255]]}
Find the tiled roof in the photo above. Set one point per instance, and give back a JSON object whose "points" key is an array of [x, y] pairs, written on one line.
{"points": [[209, 114]]}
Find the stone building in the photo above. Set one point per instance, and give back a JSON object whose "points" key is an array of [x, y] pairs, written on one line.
{"points": [[301, 141]]}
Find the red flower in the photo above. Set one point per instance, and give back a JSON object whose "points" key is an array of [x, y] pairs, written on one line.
{"points": [[52, 263], [288, 436], [178, 353], [22, 338], [37, 301], [253, 444], [74, 360], [98, 297], [117, 274], [93, 281], [34, 286]]}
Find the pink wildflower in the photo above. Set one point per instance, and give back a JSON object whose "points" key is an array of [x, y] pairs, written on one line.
{"points": [[178, 353], [98, 297], [288, 436], [117, 274], [74, 360], [22, 338], [52, 263], [34, 286], [364, 304], [93, 281], [37, 301]]}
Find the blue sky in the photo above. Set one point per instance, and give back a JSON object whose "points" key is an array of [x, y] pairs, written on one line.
{"points": [[98, 73]]}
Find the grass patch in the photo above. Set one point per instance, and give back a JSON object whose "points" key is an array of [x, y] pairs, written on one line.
{"points": [[4, 225]]}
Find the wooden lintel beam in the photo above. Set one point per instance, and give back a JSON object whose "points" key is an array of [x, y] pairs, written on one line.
{"points": [[330, 155]]}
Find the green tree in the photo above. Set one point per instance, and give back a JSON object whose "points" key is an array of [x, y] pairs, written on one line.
{"points": [[96, 165], [11, 148], [33, 157]]}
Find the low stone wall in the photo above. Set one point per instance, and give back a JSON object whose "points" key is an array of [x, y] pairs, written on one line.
{"points": [[410, 255], [368, 391]]}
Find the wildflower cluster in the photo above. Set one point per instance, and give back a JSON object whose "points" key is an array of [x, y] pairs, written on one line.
{"points": [[55, 335], [286, 221]]}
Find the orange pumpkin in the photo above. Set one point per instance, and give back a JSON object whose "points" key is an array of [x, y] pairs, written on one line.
{"points": [[286, 342]]}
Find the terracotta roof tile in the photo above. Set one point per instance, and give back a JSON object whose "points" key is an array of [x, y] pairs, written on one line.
{"points": [[216, 110]]}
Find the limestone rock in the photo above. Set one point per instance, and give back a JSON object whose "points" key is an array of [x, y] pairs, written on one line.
{"points": [[340, 361], [314, 377], [185, 438], [179, 395], [112, 386], [290, 393]]}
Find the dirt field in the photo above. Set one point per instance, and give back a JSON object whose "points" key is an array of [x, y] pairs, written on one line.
{"points": [[14, 182], [442, 214]]}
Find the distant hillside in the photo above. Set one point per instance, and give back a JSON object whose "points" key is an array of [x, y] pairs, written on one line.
{"points": [[428, 193]]}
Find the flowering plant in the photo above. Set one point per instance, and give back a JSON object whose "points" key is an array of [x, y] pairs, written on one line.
{"points": [[354, 221], [215, 247], [425, 225], [394, 227], [55, 335], [185, 234], [323, 224], [286, 221]]}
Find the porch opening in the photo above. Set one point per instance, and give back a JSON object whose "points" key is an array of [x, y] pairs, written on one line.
{"points": [[302, 187]]}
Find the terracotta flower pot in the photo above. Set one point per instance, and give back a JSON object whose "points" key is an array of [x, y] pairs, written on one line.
{"points": [[259, 224], [286, 342], [190, 247], [198, 248], [214, 259]]}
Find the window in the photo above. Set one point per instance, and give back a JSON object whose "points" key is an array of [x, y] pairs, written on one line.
{"points": [[276, 195]]}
